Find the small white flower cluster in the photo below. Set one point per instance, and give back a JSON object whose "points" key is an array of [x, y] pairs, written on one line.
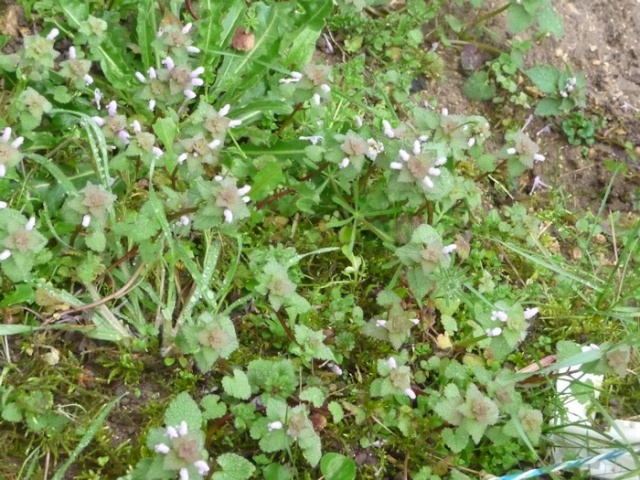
{"points": [[181, 431], [17, 143], [391, 362], [501, 316], [537, 157], [31, 223], [242, 193], [569, 87], [433, 171], [88, 79], [112, 111], [295, 77]]}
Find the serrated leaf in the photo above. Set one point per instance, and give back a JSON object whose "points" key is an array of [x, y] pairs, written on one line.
{"points": [[550, 22], [266, 180], [212, 408], [313, 395], [477, 87], [456, 439], [183, 408], [519, 18], [234, 467], [337, 467], [238, 385], [545, 78], [96, 241], [548, 107], [336, 411], [11, 413]]}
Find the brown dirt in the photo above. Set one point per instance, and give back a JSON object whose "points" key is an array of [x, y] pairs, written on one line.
{"points": [[602, 40]]}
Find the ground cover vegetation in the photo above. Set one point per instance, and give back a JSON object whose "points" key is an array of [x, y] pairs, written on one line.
{"points": [[240, 240]]}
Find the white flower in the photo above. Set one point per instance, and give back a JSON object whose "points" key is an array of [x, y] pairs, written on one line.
{"points": [[112, 108], [53, 34], [3, 170], [415, 321], [244, 190], [88, 79], [214, 144], [168, 63], [294, 78], [187, 28], [136, 126], [511, 151], [358, 121], [157, 151], [184, 221], [499, 315], [493, 332], [538, 157], [427, 182], [235, 123], [202, 467], [152, 105], [190, 94], [387, 130], [162, 448], [344, 163], [171, 432], [316, 99], [325, 88], [192, 49], [86, 220], [183, 429], [124, 136], [449, 248], [30, 224], [182, 158], [374, 149], [381, 323], [538, 183], [277, 425], [314, 139], [228, 215], [335, 368], [3, 205], [152, 72], [184, 474], [140, 77], [391, 362], [197, 72], [529, 313], [97, 97], [471, 142], [224, 110], [5, 254], [410, 393]]}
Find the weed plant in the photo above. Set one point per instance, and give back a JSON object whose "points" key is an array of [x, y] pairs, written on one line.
{"points": [[313, 258]]}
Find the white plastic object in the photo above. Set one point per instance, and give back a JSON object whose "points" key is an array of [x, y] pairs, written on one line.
{"points": [[579, 439]]}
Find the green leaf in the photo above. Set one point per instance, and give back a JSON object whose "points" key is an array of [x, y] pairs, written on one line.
{"points": [[545, 78], [519, 18], [266, 180], [11, 413], [548, 107], [183, 408], [238, 385], [212, 408], [477, 87], [337, 467], [274, 471], [313, 395], [336, 411], [166, 130], [23, 293], [234, 467], [303, 40], [96, 241], [456, 439], [146, 28], [550, 22]]}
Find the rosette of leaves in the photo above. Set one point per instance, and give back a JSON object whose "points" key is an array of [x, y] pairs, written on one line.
{"points": [[32, 106], [395, 377], [95, 201], [423, 255], [274, 282], [553, 83], [209, 338], [396, 328], [282, 426], [471, 413], [408, 185], [75, 70], [24, 244], [37, 57], [218, 196], [277, 378], [524, 153], [514, 330]]}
